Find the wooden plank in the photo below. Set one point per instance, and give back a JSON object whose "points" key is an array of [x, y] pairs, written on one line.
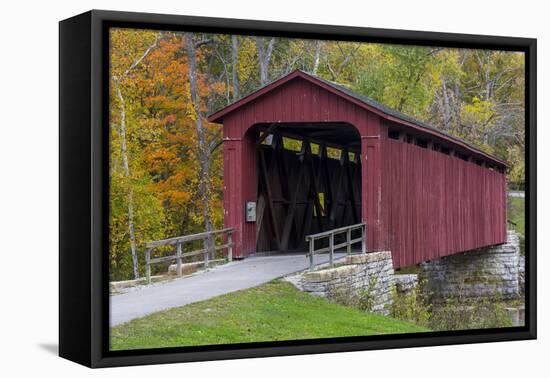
{"points": [[351, 191], [290, 218], [148, 264], [314, 187], [337, 194], [185, 238], [260, 209], [438, 204], [157, 260], [303, 227], [197, 252], [178, 259], [229, 246], [268, 197], [270, 129], [335, 231], [207, 251]]}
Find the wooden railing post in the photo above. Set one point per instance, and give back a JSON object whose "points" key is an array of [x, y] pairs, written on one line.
{"points": [[178, 259], [331, 234], [331, 250], [206, 246], [311, 248], [364, 239], [148, 264], [230, 246], [349, 241]]}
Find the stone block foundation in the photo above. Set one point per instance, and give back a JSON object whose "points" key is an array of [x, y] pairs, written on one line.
{"points": [[369, 275], [487, 273]]}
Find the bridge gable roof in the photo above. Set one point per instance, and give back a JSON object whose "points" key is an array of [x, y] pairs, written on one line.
{"points": [[362, 101]]}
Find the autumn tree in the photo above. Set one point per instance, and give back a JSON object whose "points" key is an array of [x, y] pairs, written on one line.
{"points": [[166, 176], [136, 47]]}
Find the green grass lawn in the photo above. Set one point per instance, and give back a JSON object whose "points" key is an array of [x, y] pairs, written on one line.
{"points": [[516, 213], [271, 312]]}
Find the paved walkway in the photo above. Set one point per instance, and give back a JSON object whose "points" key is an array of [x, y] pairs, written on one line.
{"points": [[219, 280], [516, 194]]}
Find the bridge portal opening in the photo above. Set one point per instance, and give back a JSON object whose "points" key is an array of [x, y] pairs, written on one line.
{"points": [[308, 181]]}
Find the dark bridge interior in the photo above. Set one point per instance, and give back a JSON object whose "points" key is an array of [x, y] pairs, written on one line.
{"points": [[309, 180]]}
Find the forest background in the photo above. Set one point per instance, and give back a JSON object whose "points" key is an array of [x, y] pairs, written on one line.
{"points": [[166, 176]]}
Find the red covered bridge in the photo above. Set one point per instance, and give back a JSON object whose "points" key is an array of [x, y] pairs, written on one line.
{"points": [[307, 155]]}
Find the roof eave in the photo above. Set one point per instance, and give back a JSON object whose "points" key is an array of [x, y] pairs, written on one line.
{"points": [[218, 116]]}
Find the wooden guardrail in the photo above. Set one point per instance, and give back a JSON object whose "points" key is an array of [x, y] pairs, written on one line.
{"points": [[332, 247], [179, 241]]}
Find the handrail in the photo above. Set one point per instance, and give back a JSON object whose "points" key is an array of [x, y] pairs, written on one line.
{"points": [[335, 231], [331, 247], [179, 241], [185, 238]]}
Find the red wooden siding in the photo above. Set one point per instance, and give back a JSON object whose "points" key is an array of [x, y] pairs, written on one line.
{"points": [[294, 101], [419, 203], [435, 205]]}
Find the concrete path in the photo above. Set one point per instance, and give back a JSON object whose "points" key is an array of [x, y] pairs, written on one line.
{"points": [[219, 280], [516, 194]]}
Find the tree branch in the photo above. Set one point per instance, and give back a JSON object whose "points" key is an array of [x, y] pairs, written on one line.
{"points": [[140, 59]]}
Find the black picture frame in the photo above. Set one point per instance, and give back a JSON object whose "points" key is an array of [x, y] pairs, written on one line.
{"points": [[83, 196]]}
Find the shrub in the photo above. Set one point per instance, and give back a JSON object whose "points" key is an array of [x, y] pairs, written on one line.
{"points": [[482, 313], [412, 306], [362, 299]]}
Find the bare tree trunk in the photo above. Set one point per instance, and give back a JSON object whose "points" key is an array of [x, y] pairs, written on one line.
{"points": [[488, 81], [203, 150], [124, 152], [458, 107], [235, 64], [347, 58], [126, 167], [317, 57], [264, 57], [446, 105]]}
